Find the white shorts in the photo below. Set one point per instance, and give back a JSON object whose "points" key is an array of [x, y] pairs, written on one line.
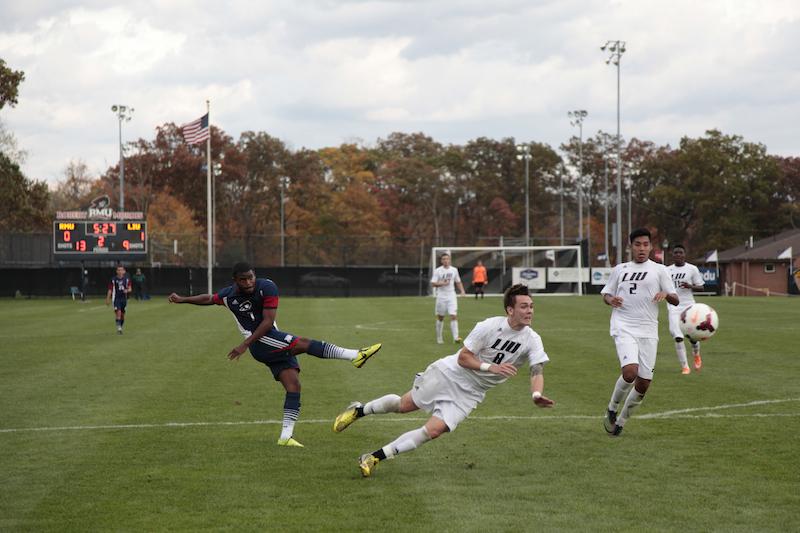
{"points": [[446, 306], [674, 314], [443, 398], [639, 351]]}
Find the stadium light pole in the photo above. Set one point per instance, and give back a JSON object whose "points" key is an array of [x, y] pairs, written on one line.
{"points": [[524, 153], [576, 119], [615, 50], [123, 113], [284, 184], [561, 204]]}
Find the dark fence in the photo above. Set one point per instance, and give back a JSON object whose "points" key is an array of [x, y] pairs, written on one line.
{"points": [[292, 281]]}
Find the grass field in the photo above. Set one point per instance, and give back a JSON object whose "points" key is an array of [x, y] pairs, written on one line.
{"points": [[156, 430]]}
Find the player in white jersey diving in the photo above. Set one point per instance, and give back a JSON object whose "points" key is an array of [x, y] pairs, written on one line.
{"points": [[687, 278], [451, 387], [445, 279], [634, 291]]}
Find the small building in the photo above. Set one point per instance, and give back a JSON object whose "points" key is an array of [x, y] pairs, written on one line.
{"points": [[754, 269]]}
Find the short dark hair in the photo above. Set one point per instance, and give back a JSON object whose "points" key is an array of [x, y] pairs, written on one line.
{"points": [[641, 232], [509, 297], [241, 268], [682, 247]]}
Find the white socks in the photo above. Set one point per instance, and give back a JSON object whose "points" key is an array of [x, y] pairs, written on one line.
{"points": [[621, 388], [439, 328], [680, 347], [385, 404], [454, 328], [633, 401], [406, 442]]}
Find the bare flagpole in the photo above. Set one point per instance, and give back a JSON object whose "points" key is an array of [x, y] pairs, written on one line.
{"points": [[208, 199]]}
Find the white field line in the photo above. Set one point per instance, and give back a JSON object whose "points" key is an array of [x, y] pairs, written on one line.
{"points": [[668, 414], [681, 413]]}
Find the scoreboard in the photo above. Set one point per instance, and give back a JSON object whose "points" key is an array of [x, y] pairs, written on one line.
{"points": [[98, 240]]}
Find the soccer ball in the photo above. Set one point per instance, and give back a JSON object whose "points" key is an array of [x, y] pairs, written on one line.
{"points": [[699, 322]]}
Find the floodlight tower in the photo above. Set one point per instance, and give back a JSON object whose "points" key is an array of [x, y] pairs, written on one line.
{"points": [[616, 49], [123, 113], [524, 153], [576, 119]]}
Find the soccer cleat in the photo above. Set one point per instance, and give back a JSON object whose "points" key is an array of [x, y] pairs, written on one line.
{"points": [[290, 442], [364, 354], [610, 421], [616, 431], [367, 464], [346, 417], [119, 330], [698, 362], [685, 370], [457, 340], [439, 341]]}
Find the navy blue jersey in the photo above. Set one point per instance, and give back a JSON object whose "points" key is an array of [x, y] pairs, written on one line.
{"points": [[119, 288], [248, 309]]}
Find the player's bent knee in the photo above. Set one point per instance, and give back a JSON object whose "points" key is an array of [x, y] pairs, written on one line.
{"points": [[630, 372]]}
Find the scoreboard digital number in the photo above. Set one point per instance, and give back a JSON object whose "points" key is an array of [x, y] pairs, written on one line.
{"points": [[98, 240]]}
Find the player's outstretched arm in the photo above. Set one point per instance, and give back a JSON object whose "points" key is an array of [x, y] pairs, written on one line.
{"points": [[469, 360], [199, 299], [537, 386]]}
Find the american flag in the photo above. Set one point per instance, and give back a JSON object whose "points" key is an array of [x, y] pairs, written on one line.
{"points": [[196, 131]]}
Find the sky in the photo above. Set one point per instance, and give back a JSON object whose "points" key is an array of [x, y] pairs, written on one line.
{"points": [[319, 73]]}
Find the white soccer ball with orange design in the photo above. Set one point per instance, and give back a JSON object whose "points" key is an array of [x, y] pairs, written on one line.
{"points": [[699, 322]]}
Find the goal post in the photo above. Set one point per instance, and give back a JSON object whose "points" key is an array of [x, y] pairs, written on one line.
{"points": [[546, 270]]}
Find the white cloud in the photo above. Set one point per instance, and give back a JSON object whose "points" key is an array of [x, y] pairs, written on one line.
{"points": [[318, 73]]}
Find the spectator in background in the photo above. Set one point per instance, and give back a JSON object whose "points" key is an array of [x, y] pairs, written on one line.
{"points": [[138, 285]]}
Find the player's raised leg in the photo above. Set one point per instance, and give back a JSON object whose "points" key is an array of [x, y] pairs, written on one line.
{"points": [[327, 350], [385, 404]]}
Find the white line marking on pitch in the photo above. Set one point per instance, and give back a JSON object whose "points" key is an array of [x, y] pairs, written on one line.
{"points": [[680, 413]]}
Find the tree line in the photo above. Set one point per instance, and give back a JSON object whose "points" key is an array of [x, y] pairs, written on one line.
{"points": [[407, 191]]}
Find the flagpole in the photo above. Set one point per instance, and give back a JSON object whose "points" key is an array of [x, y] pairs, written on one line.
{"points": [[208, 199]]}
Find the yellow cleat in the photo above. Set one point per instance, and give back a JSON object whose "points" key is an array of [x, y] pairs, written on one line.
{"points": [[367, 464], [364, 354], [290, 442], [346, 417], [457, 340], [685, 371]]}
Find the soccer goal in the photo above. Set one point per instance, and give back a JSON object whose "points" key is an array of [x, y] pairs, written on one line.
{"points": [[552, 270]]}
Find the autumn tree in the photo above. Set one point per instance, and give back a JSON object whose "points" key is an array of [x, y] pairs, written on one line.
{"points": [[23, 202]]}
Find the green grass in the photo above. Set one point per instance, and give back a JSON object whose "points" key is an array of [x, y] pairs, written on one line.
{"points": [[117, 462]]}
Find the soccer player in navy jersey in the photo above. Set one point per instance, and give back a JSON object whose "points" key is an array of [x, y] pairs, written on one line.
{"points": [[254, 303], [118, 290]]}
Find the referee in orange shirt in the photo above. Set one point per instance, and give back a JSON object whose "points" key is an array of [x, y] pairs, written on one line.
{"points": [[479, 278]]}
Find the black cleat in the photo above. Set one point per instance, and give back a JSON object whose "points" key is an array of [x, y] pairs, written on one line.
{"points": [[610, 421], [616, 431]]}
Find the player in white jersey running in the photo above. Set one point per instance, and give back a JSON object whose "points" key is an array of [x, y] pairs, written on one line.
{"points": [[445, 279], [451, 387], [634, 291], [686, 278]]}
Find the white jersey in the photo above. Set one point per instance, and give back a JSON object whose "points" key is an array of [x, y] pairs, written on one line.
{"points": [[637, 284], [687, 273], [493, 341], [450, 275]]}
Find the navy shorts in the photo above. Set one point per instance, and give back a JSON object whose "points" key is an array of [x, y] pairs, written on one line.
{"points": [[120, 306], [274, 350]]}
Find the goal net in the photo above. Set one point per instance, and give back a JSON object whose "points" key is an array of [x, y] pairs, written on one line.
{"points": [[544, 269]]}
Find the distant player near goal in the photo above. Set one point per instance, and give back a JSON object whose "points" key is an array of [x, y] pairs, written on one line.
{"points": [[445, 279], [453, 386], [634, 291], [686, 278]]}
